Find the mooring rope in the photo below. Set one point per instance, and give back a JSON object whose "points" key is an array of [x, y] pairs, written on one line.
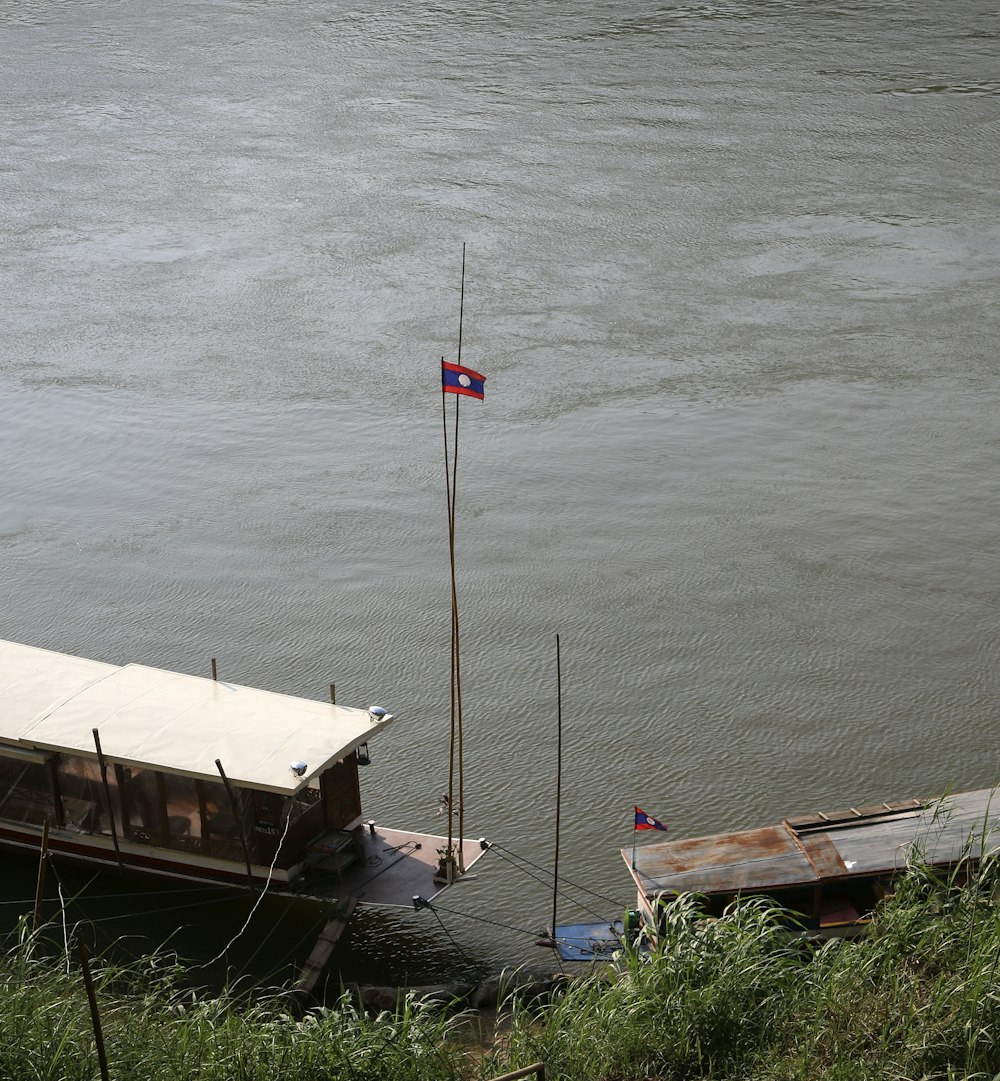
{"points": [[575, 885], [263, 893]]}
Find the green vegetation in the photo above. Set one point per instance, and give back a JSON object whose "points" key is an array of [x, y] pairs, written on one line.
{"points": [[917, 999], [154, 1030]]}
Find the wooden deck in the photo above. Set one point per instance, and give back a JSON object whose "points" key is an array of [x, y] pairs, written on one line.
{"points": [[379, 867]]}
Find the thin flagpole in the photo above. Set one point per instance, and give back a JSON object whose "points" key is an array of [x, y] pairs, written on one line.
{"points": [[458, 656], [633, 838], [555, 867], [461, 307], [455, 749], [454, 592], [451, 549]]}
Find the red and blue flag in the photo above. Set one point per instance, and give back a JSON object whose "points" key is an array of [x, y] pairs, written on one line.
{"points": [[644, 821], [458, 380]]}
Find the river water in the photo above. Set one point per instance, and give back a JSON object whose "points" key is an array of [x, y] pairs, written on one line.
{"points": [[732, 272]]}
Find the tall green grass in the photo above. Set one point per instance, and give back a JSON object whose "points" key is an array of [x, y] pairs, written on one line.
{"points": [[155, 1028], [917, 999]]}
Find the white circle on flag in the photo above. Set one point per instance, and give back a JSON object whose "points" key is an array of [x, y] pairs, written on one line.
{"points": [[464, 380]]}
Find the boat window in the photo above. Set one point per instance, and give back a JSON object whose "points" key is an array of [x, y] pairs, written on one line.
{"points": [[25, 791], [143, 807], [221, 828], [82, 793], [182, 813], [180, 796]]}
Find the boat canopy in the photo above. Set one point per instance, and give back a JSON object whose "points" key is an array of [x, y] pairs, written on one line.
{"points": [[170, 721], [808, 851]]}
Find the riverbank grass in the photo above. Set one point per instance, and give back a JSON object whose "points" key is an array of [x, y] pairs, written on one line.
{"points": [[735, 999], [918, 998]]}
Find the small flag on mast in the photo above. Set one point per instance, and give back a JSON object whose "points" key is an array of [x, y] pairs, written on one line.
{"points": [[644, 821], [458, 380]]}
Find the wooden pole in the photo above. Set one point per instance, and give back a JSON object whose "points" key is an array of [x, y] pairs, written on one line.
{"points": [[537, 1068], [107, 794], [237, 815], [40, 886], [458, 655], [215, 670], [451, 660], [461, 307], [333, 694], [555, 867], [454, 594], [95, 1016], [456, 748]]}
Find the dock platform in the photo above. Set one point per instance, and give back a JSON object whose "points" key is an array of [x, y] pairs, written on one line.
{"points": [[380, 866]]}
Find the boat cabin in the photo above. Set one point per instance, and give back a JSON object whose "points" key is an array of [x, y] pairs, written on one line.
{"points": [[177, 774], [828, 870]]}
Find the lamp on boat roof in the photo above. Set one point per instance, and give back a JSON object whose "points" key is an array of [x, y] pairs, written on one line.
{"points": [[364, 758], [298, 768], [377, 713]]}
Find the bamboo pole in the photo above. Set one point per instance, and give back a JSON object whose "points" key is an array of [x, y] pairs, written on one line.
{"points": [[40, 885], [454, 594], [461, 307], [238, 817], [451, 660], [457, 650], [555, 862], [537, 1068], [95, 1015], [456, 741], [107, 795]]}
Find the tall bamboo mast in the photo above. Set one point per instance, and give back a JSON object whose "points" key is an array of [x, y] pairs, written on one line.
{"points": [[455, 746]]}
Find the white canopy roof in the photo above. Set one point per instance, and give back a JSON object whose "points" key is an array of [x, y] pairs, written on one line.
{"points": [[171, 721]]}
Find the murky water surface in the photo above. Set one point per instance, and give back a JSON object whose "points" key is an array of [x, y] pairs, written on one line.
{"points": [[732, 274]]}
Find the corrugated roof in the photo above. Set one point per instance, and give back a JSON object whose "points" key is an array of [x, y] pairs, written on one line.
{"points": [[727, 862], [176, 722], [943, 833], [967, 823]]}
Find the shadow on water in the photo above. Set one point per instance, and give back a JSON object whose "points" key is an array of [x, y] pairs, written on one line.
{"points": [[227, 936]]}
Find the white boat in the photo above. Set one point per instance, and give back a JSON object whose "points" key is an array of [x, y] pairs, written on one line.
{"points": [[199, 779]]}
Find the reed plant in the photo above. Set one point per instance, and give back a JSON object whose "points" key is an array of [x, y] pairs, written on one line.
{"points": [[737, 998], [916, 999], [157, 1028]]}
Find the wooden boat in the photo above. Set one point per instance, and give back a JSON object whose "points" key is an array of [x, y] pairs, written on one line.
{"points": [[827, 870], [165, 773]]}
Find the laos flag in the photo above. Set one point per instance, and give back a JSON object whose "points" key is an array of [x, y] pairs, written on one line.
{"points": [[644, 821], [458, 380]]}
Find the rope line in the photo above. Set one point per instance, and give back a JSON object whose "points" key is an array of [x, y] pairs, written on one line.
{"points": [[155, 911], [125, 896], [75, 899], [562, 893], [450, 935], [62, 909], [263, 942], [575, 885], [263, 893], [511, 927], [483, 919]]}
